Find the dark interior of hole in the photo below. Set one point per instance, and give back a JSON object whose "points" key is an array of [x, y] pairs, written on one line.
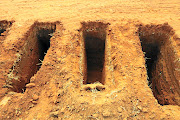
{"points": [[1, 31], [95, 48], [152, 51], [4, 26], [44, 36]]}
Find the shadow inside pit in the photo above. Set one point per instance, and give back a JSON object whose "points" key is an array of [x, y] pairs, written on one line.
{"points": [[4, 25], [2, 30], [95, 49], [44, 36], [152, 52]]}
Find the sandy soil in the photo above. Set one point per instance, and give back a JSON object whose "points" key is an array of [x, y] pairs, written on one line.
{"points": [[77, 59]]}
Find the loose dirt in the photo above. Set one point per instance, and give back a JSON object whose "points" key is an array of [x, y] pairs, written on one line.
{"points": [[113, 59]]}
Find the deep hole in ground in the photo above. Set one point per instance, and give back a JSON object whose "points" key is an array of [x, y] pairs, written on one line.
{"points": [[155, 45], [44, 36], [2, 30], [94, 36], [4, 25], [31, 56], [152, 51], [95, 58]]}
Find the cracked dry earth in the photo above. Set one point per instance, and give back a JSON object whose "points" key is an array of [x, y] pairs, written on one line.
{"points": [[89, 60]]}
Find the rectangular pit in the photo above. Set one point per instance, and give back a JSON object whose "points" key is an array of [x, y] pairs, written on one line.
{"points": [[156, 42], [31, 55], [94, 39]]}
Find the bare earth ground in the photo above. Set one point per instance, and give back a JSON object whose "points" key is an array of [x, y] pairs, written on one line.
{"points": [[58, 90]]}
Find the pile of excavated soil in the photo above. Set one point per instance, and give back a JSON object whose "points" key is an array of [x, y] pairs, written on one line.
{"points": [[89, 59]]}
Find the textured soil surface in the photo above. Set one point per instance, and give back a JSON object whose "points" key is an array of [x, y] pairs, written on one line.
{"points": [[89, 60]]}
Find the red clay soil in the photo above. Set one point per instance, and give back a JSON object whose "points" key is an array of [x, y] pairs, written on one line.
{"points": [[90, 60]]}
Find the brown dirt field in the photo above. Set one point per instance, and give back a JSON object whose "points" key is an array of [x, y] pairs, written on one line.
{"points": [[89, 60]]}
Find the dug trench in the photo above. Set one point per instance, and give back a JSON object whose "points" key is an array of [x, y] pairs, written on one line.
{"points": [[30, 56], [4, 29], [94, 39], [161, 62]]}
